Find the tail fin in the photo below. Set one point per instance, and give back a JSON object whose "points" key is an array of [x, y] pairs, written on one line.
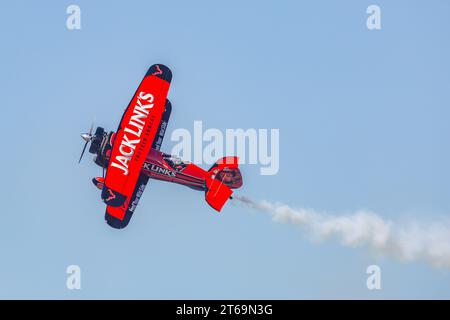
{"points": [[224, 175], [226, 170]]}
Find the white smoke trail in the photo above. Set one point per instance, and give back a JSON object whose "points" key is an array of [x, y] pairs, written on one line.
{"points": [[414, 242]]}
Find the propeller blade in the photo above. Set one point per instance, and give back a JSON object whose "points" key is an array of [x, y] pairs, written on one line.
{"points": [[91, 129], [84, 149], [86, 137]]}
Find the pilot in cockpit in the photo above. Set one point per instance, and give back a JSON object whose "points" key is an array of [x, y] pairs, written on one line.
{"points": [[175, 162]]}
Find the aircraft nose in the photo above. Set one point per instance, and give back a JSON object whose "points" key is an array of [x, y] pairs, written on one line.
{"points": [[86, 137]]}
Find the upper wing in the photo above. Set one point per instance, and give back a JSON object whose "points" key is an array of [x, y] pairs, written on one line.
{"points": [[118, 217], [135, 136]]}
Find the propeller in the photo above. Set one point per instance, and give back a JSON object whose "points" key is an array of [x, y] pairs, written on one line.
{"points": [[86, 137]]}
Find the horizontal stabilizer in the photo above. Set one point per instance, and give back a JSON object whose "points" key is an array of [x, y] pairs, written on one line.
{"points": [[217, 193]]}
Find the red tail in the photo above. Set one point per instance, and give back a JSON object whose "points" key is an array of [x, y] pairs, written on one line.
{"points": [[224, 175]]}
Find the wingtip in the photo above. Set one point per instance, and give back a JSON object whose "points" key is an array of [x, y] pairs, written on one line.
{"points": [[161, 71]]}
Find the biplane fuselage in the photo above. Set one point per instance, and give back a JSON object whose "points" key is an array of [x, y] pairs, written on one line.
{"points": [[161, 166], [131, 155]]}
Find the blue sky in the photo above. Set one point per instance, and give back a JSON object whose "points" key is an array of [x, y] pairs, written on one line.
{"points": [[363, 119]]}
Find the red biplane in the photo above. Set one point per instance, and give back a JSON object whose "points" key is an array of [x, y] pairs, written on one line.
{"points": [[131, 155]]}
